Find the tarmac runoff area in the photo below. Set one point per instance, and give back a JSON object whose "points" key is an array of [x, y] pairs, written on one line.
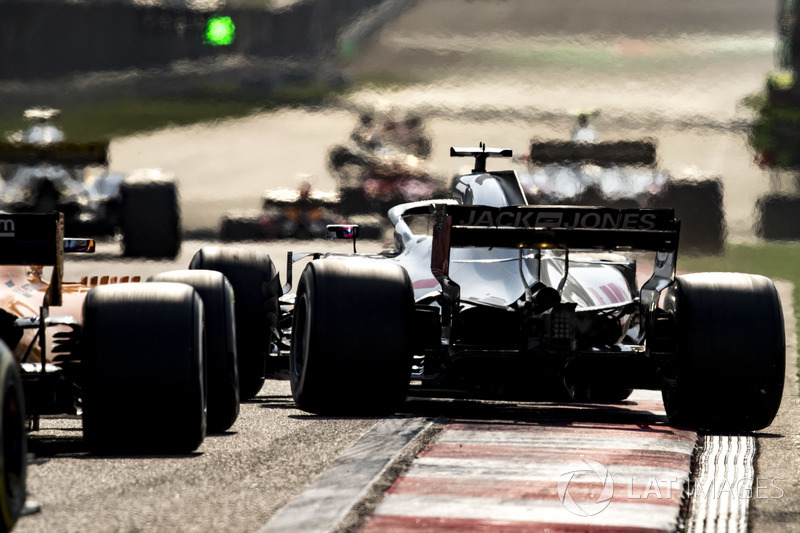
{"points": [[559, 474]]}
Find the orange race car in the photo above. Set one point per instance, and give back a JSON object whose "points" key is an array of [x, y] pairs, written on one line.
{"points": [[150, 367]]}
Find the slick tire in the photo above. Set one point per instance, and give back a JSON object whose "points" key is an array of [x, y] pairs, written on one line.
{"points": [[222, 373], [728, 370], [256, 290], [143, 366], [13, 442], [150, 220], [778, 217], [698, 205], [350, 338], [235, 227]]}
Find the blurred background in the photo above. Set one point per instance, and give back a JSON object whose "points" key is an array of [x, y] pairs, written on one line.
{"points": [[239, 97]]}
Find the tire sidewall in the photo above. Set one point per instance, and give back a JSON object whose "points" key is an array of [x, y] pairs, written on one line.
{"points": [[351, 351], [730, 352], [13, 444], [222, 375]]}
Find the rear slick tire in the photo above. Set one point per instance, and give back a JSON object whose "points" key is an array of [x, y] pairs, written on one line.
{"points": [[222, 374], [350, 350], [728, 371], [143, 367], [256, 290], [699, 207], [13, 442], [150, 219]]}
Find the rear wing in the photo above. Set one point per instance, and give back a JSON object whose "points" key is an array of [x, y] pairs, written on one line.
{"points": [[481, 153], [566, 227], [605, 154], [62, 153], [38, 239]]}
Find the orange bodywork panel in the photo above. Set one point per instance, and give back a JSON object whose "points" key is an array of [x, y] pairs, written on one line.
{"points": [[22, 290]]}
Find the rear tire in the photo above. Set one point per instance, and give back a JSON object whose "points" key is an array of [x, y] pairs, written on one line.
{"points": [[698, 205], [144, 382], [150, 219], [222, 374], [241, 227], [13, 442], [350, 337], [778, 217], [729, 366], [256, 289]]}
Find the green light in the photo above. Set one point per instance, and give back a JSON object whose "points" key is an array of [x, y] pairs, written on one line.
{"points": [[220, 31]]}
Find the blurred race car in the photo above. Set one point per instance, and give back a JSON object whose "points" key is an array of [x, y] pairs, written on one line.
{"points": [[585, 171], [286, 214], [485, 296], [43, 173], [382, 164], [379, 167]]}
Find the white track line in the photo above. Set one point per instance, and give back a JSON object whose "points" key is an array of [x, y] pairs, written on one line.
{"points": [[723, 485]]}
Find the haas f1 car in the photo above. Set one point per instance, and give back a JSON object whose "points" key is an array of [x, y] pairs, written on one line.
{"points": [[485, 296], [43, 173]]}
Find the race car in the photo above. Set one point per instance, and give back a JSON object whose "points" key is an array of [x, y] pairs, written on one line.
{"points": [[379, 166], [486, 296], [382, 164], [585, 171], [43, 173], [303, 213], [151, 367]]}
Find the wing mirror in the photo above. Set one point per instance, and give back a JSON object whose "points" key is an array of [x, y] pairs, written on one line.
{"points": [[343, 231]]}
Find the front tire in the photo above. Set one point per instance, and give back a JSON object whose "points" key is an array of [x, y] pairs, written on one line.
{"points": [[350, 349], [729, 365]]}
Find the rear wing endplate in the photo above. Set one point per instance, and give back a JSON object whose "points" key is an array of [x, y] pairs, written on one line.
{"points": [[31, 239], [38, 239], [605, 154], [62, 153]]}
